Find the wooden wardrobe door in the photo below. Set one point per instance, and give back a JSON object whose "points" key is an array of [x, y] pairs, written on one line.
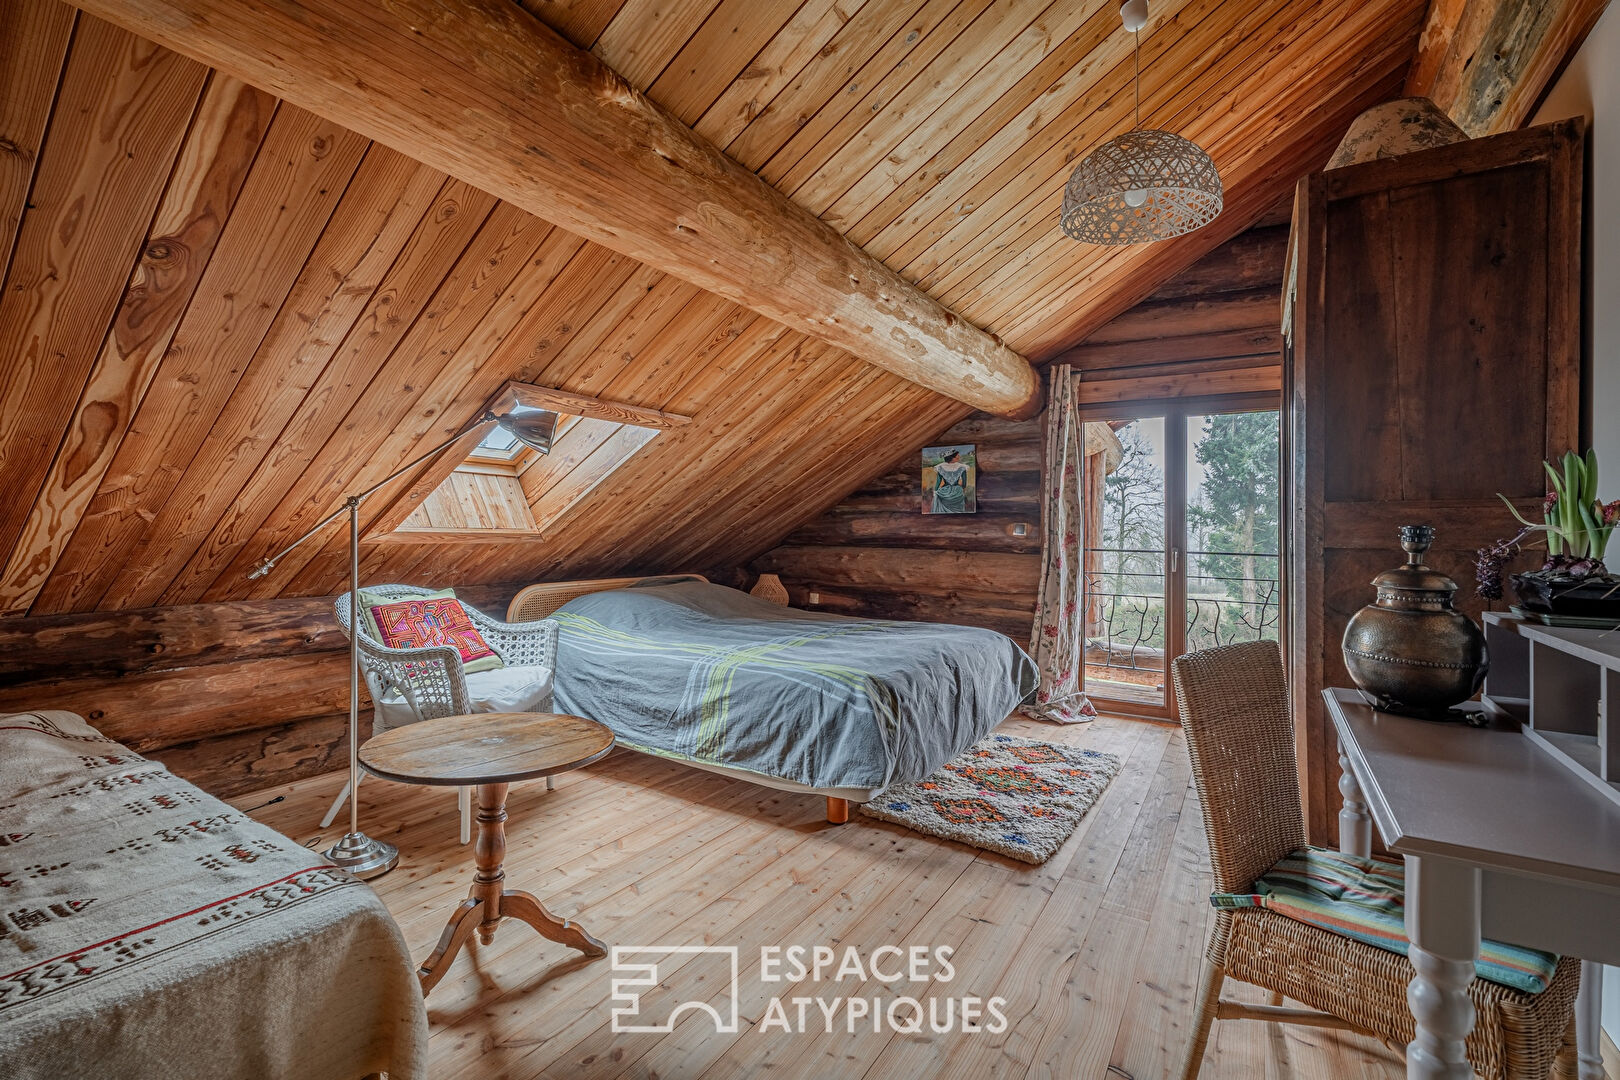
{"points": [[1436, 362]]}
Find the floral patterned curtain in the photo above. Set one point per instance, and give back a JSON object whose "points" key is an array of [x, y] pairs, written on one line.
{"points": [[1058, 638]]}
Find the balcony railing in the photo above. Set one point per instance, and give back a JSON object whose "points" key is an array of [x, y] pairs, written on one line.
{"points": [[1125, 614]]}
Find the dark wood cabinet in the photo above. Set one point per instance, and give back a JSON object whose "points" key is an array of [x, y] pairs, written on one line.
{"points": [[1435, 361]]}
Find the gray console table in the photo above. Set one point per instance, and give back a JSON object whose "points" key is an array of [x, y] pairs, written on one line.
{"points": [[1501, 839]]}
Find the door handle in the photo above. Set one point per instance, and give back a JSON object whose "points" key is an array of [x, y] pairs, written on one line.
{"points": [[1175, 560]]}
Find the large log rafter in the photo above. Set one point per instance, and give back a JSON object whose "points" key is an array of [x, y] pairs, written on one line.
{"points": [[1486, 62], [483, 91]]}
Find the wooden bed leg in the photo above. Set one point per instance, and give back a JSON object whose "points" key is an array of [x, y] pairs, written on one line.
{"points": [[837, 810]]}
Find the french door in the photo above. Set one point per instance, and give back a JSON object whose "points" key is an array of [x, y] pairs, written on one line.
{"points": [[1182, 508]]}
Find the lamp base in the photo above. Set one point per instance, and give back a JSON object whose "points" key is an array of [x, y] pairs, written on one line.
{"points": [[362, 856]]}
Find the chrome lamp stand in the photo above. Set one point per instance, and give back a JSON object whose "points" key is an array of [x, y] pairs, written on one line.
{"points": [[358, 853]]}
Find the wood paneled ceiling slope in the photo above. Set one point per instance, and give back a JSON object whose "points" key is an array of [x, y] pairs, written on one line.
{"points": [[225, 308]]}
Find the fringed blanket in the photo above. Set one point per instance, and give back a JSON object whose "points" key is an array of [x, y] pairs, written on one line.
{"points": [[150, 930]]}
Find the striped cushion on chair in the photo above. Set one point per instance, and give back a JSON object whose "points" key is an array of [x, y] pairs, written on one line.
{"points": [[1365, 899]]}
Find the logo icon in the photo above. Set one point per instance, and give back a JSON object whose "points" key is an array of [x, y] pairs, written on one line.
{"points": [[627, 991]]}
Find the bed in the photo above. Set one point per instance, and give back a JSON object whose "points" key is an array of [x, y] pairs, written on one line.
{"points": [[148, 929], [795, 700]]}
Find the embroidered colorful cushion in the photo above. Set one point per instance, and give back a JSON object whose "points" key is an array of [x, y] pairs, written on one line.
{"points": [[1365, 899], [417, 623]]}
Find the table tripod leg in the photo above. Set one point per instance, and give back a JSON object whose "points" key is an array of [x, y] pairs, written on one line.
{"points": [[468, 914], [516, 904]]}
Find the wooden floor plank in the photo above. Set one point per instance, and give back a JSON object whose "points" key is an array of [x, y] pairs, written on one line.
{"points": [[1096, 951]]}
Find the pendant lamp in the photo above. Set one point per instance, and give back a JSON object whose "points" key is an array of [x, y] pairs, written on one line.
{"points": [[1144, 185]]}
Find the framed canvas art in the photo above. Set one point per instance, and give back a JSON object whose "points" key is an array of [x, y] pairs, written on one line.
{"points": [[949, 479]]}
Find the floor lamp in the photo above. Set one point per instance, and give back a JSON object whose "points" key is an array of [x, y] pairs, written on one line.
{"points": [[358, 853]]}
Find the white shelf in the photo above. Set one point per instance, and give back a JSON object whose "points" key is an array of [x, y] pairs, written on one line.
{"points": [[1561, 684]]}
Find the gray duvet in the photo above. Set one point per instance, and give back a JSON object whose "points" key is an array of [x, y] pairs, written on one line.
{"points": [[704, 673]]}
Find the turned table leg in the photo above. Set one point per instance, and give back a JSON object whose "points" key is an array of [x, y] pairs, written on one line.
{"points": [[488, 902], [1442, 921], [1589, 1020], [1355, 826]]}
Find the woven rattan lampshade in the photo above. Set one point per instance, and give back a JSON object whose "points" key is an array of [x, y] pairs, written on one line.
{"points": [[1144, 185], [1141, 186]]}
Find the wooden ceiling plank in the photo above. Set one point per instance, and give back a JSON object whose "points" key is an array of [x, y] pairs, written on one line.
{"points": [[878, 450], [1186, 69], [978, 69], [958, 210], [342, 454], [769, 436], [646, 35], [737, 499], [34, 36], [874, 38], [1333, 104], [1028, 232], [580, 21], [666, 308], [573, 447], [383, 207], [1074, 313], [1233, 136], [555, 503], [208, 175], [121, 118], [815, 143], [301, 171], [442, 393], [864, 212], [391, 314], [647, 301], [516, 109], [479, 377], [713, 57], [811, 29], [750, 398], [680, 350]]}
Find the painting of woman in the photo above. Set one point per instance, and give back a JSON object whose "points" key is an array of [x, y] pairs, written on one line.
{"points": [[949, 480]]}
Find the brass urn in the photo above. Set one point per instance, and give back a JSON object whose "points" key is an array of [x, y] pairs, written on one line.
{"points": [[1411, 650]]}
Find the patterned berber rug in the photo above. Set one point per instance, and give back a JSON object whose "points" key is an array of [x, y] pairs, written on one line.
{"points": [[1019, 797]]}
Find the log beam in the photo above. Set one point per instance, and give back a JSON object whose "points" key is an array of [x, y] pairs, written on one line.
{"points": [[1486, 62], [484, 91]]}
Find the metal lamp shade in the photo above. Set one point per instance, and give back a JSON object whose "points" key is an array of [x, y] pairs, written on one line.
{"points": [[1175, 183], [534, 428]]}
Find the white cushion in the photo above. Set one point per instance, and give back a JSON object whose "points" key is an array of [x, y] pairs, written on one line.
{"points": [[507, 689]]}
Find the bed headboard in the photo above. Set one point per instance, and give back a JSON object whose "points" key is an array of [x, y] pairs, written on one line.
{"points": [[539, 601]]}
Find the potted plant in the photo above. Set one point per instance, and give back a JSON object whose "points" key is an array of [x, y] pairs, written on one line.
{"points": [[1572, 582]]}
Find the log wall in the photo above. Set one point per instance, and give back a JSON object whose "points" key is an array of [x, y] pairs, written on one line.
{"points": [[234, 696], [1211, 330]]}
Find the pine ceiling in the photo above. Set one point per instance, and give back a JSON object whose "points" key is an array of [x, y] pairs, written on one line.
{"points": [[221, 313]]}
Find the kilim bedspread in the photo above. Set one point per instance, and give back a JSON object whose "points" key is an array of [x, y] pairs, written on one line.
{"points": [[149, 930]]}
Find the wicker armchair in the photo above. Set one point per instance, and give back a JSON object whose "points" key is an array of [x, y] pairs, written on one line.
{"points": [[411, 685], [1234, 710]]}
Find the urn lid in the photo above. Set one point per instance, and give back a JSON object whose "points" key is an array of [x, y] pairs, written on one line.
{"points": [[1396, 587]]}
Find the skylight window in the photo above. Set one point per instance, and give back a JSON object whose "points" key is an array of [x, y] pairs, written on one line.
{"points": [[498, 445], [505, 489]]}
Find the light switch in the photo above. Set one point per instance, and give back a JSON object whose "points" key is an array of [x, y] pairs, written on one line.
{"points": [[814, 598]]}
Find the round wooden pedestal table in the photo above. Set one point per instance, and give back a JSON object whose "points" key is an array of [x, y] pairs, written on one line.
{"points": [[490, 752]]}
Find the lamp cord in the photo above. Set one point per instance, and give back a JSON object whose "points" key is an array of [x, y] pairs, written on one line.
{"points": [[1137, 36]]}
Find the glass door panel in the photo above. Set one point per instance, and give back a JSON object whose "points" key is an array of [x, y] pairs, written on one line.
{"points": [[1233, 498], [1125, 599]]}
